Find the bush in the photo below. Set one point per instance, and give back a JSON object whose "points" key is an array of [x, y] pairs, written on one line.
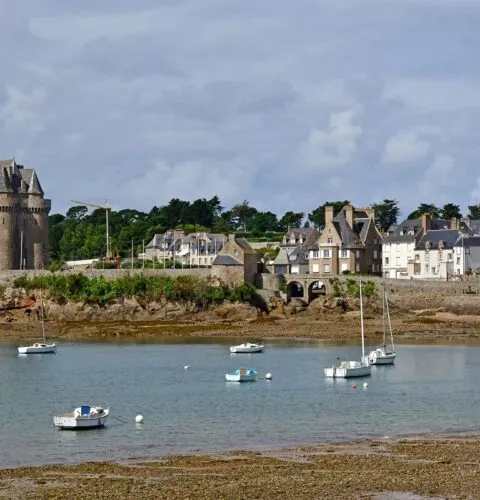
{"points": [[98, 290]]}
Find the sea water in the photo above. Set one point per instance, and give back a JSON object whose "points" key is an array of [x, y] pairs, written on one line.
{"points": [[431, 389]]}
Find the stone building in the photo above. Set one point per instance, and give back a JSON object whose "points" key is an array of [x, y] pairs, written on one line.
{"points": [[236, 262], [23, 218]]}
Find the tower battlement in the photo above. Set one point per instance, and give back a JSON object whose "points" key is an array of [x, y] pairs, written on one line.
{"points": [[23, 218]]}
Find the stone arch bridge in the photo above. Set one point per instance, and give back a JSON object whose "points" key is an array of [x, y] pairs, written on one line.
{"points": [[305, 286]]}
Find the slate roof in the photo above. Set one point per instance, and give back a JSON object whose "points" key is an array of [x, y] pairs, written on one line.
{"points": [[448, 236], [226, 260], [282, 258], [245, 246], [12, 175], [361, 226], [468, 241], [401, 231], [298, 255], [347, 235], [474, 226]]}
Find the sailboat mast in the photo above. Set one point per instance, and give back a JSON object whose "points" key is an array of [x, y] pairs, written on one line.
{"points": [[384, 309], [388, 319], [361, 318], [43, 318]]}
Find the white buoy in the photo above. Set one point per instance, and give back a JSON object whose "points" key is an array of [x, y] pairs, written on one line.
{"points": [[365, 385], [139, 419], [268, 376], [186, 367]]}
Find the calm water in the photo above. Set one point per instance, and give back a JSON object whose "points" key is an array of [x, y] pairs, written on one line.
{"points": [[431, 389]]}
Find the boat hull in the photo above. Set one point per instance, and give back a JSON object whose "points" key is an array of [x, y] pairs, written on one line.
{"points": [[348, 372], [240, 378], [38, 349], [246, 348], [381, 357], [72, 422]]}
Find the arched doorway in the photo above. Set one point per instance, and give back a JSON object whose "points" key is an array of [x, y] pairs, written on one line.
{"points": [[316, 289], [295, 289]]}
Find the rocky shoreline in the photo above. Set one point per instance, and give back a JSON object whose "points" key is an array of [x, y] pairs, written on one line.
{"points": [[443, 467]]}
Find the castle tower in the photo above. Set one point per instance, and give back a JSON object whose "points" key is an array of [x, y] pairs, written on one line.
{"points": [[23, 218]]}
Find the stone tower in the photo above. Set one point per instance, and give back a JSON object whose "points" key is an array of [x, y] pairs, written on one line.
{"points": [[23, 218]]}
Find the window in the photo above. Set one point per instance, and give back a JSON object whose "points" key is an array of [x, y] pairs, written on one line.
{"points": [[315, 268], [458, 260], [427, 257], [326, 268], [449, 257], [440, 255], [357, 268], [426, 268], [417, 257], [315, 254], [357, 254], [434, 270], [387, 261], [374, 254], [326, 254], [344, 266], [344, 254], [329, 240]]}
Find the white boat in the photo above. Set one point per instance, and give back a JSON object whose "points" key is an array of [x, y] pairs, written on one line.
{"points": [[241, 375], [348, 369], [39, 347], [384, 354], [246, 347], [83, 417]]}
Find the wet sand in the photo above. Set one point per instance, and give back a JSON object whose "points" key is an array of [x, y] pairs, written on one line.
{"points": [[442, 467]]}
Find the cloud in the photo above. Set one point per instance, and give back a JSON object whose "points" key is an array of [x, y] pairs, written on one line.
{"points": [[21, 109], [405, 147], [282, 104], [435, 95], [325, 151]]}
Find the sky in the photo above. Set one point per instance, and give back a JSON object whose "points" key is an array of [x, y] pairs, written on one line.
{"points": [[284, 104]]}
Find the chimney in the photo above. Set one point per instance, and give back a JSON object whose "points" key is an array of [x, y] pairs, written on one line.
{"points": [[370, 211], [455, 224], [348, 209], [426, 220], [328, 214]]}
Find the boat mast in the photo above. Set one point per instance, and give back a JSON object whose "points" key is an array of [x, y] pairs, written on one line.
{"points": [[361, 317], [42, 317], [384, 310], [388, 319]]}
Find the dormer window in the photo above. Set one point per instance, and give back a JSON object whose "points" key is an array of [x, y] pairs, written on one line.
{"points": [[329, 240]]}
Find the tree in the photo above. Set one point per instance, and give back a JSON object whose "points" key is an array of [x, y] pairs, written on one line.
{"points": [[77, 213], [386, 214], [292, 219], [317, 217], [474, 212], [264, 222], [241, 215], [425, 208], [449, 211]]}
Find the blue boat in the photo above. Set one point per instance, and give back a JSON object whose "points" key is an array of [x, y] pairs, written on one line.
{"points": [[241, 375]]}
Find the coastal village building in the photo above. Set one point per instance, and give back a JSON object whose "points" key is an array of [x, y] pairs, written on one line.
{"points": [[236, 262], [195, 249], [350, 242], [293, 255], [23, 218], [429, 248]]}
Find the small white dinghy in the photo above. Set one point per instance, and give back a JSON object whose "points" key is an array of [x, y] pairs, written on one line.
{"points": [[246, 348], [39, 347], [241, 375], [83, 417]]}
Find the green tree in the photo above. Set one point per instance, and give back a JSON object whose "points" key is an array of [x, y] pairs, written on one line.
{"points": [[317, 216], [292, 219], [263, 222], [241, 215], [386, 214], [449, 211], [474, 212], [425, 208]]}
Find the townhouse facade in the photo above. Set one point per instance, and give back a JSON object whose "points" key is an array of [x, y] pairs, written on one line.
{"points": [[350, 243]]}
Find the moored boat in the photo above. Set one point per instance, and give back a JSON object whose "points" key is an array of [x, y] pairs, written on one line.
{"points": [[384, 354], [241, 375], [38, 348], [348, 369], [83, 417], [246, 347]]}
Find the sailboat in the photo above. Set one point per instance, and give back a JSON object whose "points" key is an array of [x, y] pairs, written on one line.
{"points": [[39, 347], [384, 354], [348, 369]]}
